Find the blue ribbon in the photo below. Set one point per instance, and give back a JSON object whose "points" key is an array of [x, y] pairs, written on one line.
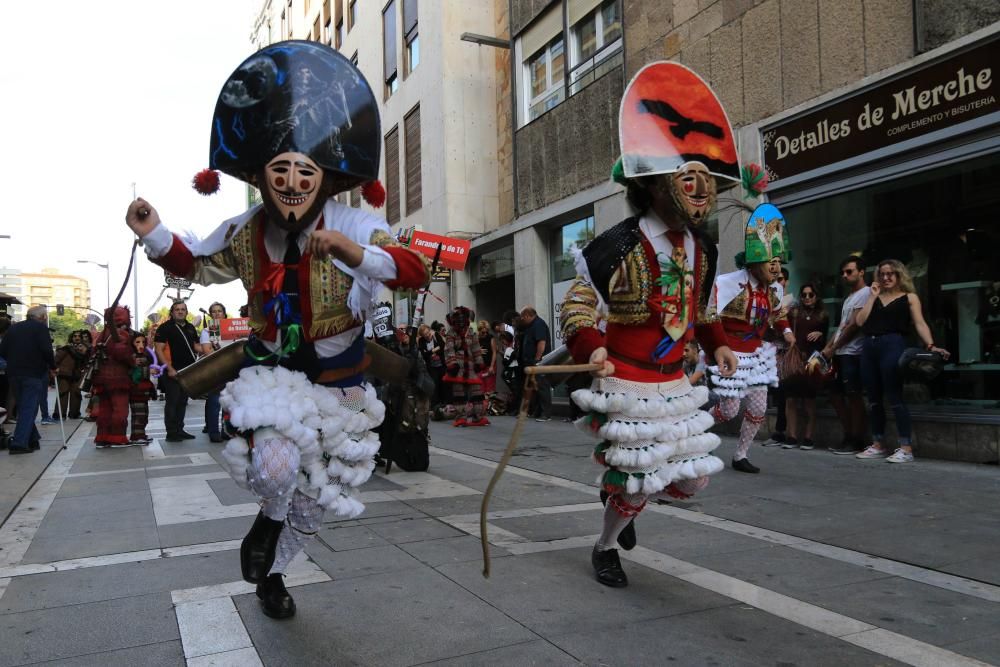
{"points": [[665, 345], [281, 307]]}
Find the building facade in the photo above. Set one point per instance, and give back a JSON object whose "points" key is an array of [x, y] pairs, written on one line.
{"points": [[10, 284], [436, 100], [49, 287], [876, 120]]}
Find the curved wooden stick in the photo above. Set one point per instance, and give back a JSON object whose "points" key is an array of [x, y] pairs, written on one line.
{"points": [[530, 385]]}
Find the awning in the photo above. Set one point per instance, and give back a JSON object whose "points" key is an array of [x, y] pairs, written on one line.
{"points": [[7, 299]]}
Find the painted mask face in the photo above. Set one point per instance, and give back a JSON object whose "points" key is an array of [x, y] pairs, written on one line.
{"points": [[773, 270], [694, 190], [291, 189], [139, 343]]}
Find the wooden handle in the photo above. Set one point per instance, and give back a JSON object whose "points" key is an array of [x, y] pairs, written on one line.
{"points": [[569, 368]]}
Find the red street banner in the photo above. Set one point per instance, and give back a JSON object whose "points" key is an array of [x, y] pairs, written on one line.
{"points": [[234, 327], [454, 252]]}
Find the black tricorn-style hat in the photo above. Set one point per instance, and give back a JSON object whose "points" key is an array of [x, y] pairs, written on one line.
{"points": [[301, 97]]}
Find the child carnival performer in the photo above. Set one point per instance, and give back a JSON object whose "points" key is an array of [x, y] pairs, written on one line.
{"points": [[463, 360], [748, 302], [650, 276], [113, 379], [300, 122], [142, 389]]}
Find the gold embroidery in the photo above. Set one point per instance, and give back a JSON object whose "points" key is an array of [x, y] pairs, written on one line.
{"points": [[630, 289]]}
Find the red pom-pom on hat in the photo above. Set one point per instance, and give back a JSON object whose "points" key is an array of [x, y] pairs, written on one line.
{"points": [[374, 193], [206, 181]]}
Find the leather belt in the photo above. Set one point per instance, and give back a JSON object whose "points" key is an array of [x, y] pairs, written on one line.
{"points": [[665, 369], [334, 374]]}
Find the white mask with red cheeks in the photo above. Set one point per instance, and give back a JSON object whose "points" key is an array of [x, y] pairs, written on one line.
{"points": [[291, 190]]}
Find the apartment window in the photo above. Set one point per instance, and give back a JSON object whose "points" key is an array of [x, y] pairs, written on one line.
{"points": [[544, 78], [392, 176], [595, 40], [411, 37], [316, 35], [354, 59], [352, 14], [338, 20], [389, 48], [327, 36], [411, 137]]}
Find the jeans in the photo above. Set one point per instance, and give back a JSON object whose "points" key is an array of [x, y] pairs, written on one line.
{"points": [[212, 409], [175, 406], [883, 383], [30, 393]]}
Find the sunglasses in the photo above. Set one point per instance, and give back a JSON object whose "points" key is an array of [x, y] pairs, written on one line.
{"points": [[847, 272], [808, 295]]}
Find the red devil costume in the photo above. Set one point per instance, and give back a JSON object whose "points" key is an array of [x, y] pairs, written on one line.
{"points": [[300, 122], [113, 378], [650, 278], [463, 361]]}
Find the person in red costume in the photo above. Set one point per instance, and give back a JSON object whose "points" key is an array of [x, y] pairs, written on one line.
{"points": [[463, 361], [747, 302], [298, 121], [650, 278], [113, 378]]}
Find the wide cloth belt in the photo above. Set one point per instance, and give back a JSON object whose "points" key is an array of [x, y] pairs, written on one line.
{"points": [[666, 369], [335, 374]]}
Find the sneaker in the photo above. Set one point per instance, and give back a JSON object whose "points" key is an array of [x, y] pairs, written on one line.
{"points": [[807, 445], [899, 456], [790, 443], [848, 446], [872, 452], [543, 419], [49, 421], [775, 440]]}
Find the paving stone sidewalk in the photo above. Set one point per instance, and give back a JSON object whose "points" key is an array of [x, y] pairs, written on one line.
{"points": [[128, 556]]}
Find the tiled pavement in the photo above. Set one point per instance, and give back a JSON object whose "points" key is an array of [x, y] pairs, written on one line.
{"points": [[129, 556]]}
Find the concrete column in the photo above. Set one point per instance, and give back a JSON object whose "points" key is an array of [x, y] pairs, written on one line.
{"points": [[609, 211], [531, 271]]}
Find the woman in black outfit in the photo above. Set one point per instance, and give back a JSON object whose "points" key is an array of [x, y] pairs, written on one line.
{"points": [[809, 323], [885, 320]]}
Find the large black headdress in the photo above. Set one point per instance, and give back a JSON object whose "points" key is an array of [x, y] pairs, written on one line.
{"points": [[300, 97]]}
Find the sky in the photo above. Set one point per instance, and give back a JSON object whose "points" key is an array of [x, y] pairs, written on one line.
{"points": [[98, 96]]}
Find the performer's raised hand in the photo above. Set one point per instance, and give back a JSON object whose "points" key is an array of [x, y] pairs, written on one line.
{"points": [[726, 361], [600, 356], [141, 218], [329, 243]]}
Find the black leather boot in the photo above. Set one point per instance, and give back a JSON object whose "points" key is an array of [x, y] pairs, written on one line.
{"points": [[626, 538], [608, 568], [274, 597], [257, 550], [744, 465]]}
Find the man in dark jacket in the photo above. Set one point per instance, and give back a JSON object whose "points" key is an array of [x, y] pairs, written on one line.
{"points": [[27, 347], [535, 346]]}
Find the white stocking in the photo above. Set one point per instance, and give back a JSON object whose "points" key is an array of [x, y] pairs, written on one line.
{"points": [[617, 513], [753, 417], [305, 516]]}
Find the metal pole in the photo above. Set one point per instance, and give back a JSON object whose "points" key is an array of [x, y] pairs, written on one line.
{"points": [[107, 283], [135, 278]]}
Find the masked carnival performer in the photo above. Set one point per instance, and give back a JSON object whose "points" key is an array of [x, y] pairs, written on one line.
{"points": [[650, 277], [300, 122], [113, 378], [463, 361], [748, 302]]}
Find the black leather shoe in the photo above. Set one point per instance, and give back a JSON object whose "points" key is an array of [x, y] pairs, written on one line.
{"points": [[608, 568], [184, 435], [626, 538], [274, 597], [257, 549], [173, 437], [216, 437], [744, 465], [35, 445], [19, 450]]}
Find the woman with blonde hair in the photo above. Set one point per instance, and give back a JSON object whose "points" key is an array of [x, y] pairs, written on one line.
{"points": [[885, 320]]}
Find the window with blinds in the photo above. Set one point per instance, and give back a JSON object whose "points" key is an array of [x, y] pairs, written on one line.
{"points": [[411, 37], [411, 138], [389, 48], [392, 176]]}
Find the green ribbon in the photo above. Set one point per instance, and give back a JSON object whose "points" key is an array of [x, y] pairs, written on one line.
{"points": [[291, 338]]}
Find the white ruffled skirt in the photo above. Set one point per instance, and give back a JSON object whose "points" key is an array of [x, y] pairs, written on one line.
{"points": [[755, 369], [652, 434], [330, 426]]}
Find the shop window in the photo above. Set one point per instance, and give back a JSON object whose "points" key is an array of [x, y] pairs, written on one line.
{"points": [[411, 37], [392, 176], [493, 265], [340, 33], [411, 137], [563, 241], [316, 35], [595, 41], [940, 223], [389, 49], [352, 14]]}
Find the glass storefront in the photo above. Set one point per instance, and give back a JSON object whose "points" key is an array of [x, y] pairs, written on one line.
{"points": [[562, 242], [942, 224]]}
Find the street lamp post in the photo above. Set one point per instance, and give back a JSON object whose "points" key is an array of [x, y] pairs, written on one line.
{"points": [[107, 275]]}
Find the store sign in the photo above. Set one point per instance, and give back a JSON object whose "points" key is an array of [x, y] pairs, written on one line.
{"points": [[454, 252], [176, 282], [233, 328], [938, 96]]}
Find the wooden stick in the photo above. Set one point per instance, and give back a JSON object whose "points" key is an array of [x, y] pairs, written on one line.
{"points": [[568, 368]]}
